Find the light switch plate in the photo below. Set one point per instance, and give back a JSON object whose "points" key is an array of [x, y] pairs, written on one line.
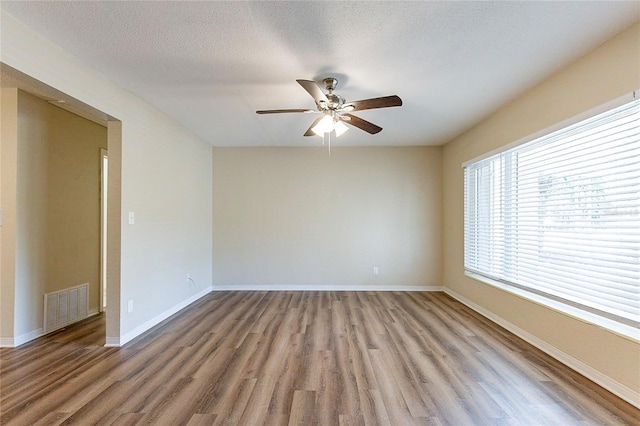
{"points": [[132, 218]]}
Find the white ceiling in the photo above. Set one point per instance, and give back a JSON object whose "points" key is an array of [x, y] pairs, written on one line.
{"points": [[211, 65]]}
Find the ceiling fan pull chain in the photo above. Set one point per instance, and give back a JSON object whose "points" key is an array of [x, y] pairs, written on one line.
{"points": [[329, 143]]}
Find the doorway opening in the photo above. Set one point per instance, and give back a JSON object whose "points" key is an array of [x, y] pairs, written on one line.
{"points": [[106, 262]]}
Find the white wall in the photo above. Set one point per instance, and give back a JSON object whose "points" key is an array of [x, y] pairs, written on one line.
{"points": [[299, 218], [166, 179], [605, 74]]}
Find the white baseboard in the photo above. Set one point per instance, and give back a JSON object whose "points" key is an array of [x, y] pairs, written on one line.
{"points": [[112, 342], [6, 342], [27, 337], [156, 320], [9, 342], [12, 342], [251, 287], [613, 386]]}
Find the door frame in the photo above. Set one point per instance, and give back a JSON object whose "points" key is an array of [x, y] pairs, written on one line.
{"points": [[104, 196]]}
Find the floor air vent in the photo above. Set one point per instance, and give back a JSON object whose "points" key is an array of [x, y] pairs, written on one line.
{"points": [[66, 306]]}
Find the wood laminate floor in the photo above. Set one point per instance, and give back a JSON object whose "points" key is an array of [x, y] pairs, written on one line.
{"points": [[303, 358]]}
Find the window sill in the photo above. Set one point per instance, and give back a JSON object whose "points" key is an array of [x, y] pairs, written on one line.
{"points": [[623, 330]]}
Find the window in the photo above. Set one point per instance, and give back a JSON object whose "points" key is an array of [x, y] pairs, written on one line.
{"points": [[559, 216]]}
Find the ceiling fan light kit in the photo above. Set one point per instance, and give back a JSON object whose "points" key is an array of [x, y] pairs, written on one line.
{"points": [[336, 110], [325, 125], [339, 128]]}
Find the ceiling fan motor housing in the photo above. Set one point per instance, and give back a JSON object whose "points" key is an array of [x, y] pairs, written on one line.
{"points": [[335, 101]]}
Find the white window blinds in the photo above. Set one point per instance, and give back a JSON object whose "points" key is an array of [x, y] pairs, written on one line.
{"points": [[560, 215]]}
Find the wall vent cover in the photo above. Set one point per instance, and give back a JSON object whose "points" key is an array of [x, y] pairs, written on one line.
{"points": [[64, 307]]}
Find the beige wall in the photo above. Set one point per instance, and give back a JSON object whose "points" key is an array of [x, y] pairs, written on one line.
{"points": [[58, 207], [297, 217], [74, 203], [605, 74], [8, 172], [31, 213]]}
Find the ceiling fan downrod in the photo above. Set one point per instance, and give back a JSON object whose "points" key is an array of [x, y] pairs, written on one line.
{"points": [[330, 84]]}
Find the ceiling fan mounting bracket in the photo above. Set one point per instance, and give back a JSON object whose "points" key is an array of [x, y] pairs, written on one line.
{"points": [[330, 83]]}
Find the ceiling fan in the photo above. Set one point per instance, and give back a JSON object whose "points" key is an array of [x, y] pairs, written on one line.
{"points": [[335, 110]]}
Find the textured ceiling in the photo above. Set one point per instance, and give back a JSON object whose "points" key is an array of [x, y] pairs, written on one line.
{"points": [[210, 65]]}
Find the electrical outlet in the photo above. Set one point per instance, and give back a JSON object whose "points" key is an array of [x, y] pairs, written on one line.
{"points": [[375, 270], [130, 306]]}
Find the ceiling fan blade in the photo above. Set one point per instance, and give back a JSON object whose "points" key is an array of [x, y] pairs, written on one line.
{"points": [[314, 90], [309, 132], [383, 102], [360, 123], [280, 111]]}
